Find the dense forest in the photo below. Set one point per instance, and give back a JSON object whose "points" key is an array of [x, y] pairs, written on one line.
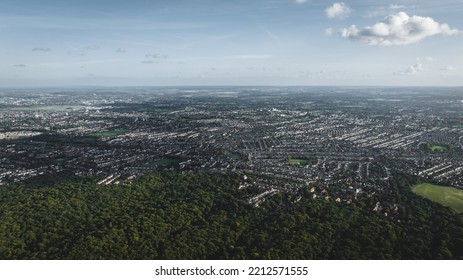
{"points": [[171, 215]]}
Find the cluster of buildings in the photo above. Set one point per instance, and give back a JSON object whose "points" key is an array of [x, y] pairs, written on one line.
{"points": [[340, 145]]}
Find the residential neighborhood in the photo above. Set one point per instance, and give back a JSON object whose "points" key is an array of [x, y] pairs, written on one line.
{"points": [[342, 145]]}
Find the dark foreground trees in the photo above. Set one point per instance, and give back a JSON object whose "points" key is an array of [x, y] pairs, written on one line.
{"points": [[205, 216]]}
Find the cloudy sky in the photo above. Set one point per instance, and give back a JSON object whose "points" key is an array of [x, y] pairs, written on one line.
{"points": [[239, 42]]}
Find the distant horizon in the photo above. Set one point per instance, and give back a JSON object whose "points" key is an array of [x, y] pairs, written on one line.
{"points": [[227, 86]]}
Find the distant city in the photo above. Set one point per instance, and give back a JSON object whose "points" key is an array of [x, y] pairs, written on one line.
{"points": [[340, 144]]}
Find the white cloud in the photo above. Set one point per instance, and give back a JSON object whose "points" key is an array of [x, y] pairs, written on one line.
{"points": [[39, 49], [338, 10], [412, 70], [250, 56], [377, 12], [20, 65], [398, 29], [329, 31], [93, 47], [384, 11], [448, 68], [301, 1], [156, 56], [121, 50], [396, 7], [427, 59]]}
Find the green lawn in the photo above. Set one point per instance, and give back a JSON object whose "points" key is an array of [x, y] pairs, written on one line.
{"points": [[301, 162], [446, 196], [438, 148]]}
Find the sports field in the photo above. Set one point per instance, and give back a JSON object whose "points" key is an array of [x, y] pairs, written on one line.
{"points": [[438, 148], [447, 196]]}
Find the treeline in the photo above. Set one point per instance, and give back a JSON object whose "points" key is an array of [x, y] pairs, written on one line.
{"points": [[205, 216]]}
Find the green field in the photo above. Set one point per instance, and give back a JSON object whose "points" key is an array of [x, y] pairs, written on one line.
{"points": [[446, 196], [111, 133], [438, 148], [301, 162]]}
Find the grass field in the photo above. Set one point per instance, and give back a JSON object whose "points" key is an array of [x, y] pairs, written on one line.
{"points": [[446, 196], [301, 162], [438, 148]]}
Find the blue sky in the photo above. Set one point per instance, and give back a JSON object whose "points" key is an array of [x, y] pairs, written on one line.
{"points": [[215, 42]]}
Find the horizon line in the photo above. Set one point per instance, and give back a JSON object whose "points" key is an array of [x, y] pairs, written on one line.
{"points": [[228, 86]]}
